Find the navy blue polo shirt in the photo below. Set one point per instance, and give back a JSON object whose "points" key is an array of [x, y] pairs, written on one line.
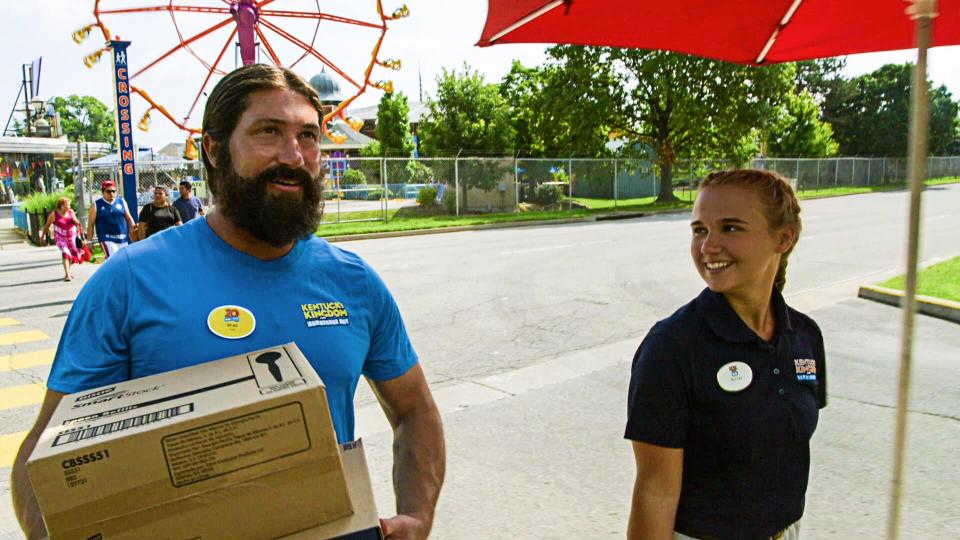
{"points": [[746, 454]]}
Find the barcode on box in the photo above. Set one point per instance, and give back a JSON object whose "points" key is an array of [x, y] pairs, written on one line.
{"points": [[120, 425]]}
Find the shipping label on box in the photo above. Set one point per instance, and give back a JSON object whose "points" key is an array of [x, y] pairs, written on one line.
{"points": [[242, 447]]}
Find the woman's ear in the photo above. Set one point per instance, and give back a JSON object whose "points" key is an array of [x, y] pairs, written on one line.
{"points": [[786, 238]]}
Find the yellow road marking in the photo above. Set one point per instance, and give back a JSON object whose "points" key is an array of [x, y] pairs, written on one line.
{"points": [[12, 362], [7, 321], [26, 336], [20, 396], [9, 444]]}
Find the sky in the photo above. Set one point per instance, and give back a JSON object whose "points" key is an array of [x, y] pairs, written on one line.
{"points": [[438, 34]]}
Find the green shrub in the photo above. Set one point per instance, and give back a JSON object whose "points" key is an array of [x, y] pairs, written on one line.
{"points": [[427, 197], [547, 195], [354, 176], [47, 202], [450, 200], [417, 172], [375, 195]]}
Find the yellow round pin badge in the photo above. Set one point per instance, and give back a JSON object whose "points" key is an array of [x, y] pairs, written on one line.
{"points": [[231, 322]]}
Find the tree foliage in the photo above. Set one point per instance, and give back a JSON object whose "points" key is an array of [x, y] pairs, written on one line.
{"points": [[85, 118], [819, 77], [563, 107], [393, 126], [870, 114], [684, 106], [468, 115], [799, 132]]}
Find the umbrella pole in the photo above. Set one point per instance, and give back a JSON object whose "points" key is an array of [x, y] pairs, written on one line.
{"points": [[919, 112]]}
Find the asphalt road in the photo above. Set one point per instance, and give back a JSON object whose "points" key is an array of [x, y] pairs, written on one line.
{"points": [[526, 336]]}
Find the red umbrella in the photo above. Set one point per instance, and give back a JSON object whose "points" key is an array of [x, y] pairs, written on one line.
{"points": [[756, 32], [746, 32]]}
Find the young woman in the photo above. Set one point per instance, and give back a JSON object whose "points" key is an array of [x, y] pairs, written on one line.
{"points": [[725, 393], [159, 214], [65, 230]]}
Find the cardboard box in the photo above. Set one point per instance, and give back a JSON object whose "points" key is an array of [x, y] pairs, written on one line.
{"points": [[364, 523], [242, 447]]}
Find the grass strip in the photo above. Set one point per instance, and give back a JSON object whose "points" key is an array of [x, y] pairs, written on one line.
{"points": [[942, 280]]}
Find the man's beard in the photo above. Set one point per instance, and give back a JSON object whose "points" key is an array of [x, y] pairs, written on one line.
{"points": [[277, 219]]}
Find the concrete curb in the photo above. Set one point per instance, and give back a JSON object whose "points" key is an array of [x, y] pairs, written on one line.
{"points": [[934, 307], [507, 225]]}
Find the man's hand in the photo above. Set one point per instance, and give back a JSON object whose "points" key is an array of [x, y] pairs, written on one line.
{"points": [[405, 528]]}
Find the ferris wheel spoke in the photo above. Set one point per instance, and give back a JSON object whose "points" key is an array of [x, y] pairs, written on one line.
{"points": [[210, 73], [184, 43], [270, 51], [296, 41], [320, 16], [168, 7]]}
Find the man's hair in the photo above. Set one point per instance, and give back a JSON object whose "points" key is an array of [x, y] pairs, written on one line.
{"points": [[229, 99], [186, 184]]}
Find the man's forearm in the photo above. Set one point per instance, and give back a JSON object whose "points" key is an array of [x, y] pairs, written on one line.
{"points": [[24, 501], [419, 462]]}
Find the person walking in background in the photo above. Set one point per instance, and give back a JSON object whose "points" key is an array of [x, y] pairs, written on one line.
{"points": [[188, 205], [159, 214], [66, 228], [725, 393], [111, 219]]}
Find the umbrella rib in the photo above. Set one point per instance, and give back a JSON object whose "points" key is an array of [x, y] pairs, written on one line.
{"points": [[536, 14], [776, 31]]}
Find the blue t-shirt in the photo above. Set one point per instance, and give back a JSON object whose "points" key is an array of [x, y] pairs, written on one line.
{"points": [[188, 208], [128, 320], [111, 223]]}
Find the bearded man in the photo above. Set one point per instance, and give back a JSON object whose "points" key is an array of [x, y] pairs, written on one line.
{"points": [[258, 257]]}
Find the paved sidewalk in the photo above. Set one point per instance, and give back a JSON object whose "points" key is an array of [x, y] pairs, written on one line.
{"points": [[10, 238]]}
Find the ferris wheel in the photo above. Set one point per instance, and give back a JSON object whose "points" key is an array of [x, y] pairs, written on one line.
{"points": [[286, 33]]}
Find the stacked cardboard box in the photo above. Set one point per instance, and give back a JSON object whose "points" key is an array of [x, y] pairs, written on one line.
{"points": [[242, 447]]}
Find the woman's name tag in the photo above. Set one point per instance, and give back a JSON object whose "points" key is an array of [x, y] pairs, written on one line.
{"points": [[735, 376]]}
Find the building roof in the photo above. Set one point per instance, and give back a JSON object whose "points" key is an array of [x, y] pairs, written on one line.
{"points": [[143, 155], [59, 148], [355, 140], [418, 110], [327, 87]]}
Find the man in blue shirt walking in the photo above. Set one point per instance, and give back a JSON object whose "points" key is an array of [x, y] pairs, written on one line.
{"points": [[188, 205]]}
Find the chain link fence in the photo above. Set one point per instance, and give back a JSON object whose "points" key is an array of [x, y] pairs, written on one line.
{"points": [[368, 189], [373, 189], [150, 174]]}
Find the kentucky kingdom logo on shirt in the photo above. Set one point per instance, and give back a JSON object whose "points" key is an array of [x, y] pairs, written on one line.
{"points": [[325, 314], [806, 369]]}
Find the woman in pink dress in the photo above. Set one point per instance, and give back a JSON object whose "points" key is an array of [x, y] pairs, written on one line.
{"points": [[65, 227]]}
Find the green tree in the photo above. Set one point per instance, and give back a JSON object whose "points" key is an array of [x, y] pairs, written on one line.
{"points": [[468, 116], [393, 126], [85, 118], [819, 77], [690, 107], [563, 107], [799, 131], [870, 114]]}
